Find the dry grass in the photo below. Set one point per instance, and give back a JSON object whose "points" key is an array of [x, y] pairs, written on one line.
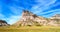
{"points": [[30, 29]]}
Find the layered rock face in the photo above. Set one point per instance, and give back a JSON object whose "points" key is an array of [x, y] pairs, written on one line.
{"points": [[55, 20], [28, 18], [3, 23]]}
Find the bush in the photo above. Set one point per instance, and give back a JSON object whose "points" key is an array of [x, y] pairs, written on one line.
{"points": [[28, 25]]}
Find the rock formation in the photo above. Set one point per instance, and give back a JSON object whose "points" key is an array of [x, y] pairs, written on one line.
{"points": [[30, 19], [3, 23], [55, 20]]}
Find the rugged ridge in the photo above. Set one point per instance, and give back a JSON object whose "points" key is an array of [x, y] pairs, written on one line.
{"points": [[30, 19]]}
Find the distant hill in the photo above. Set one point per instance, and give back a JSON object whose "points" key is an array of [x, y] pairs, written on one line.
{"points": [[30, 19], [3, 23], [55, 20]]}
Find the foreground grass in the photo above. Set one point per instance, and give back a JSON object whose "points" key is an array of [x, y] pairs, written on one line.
{"points": [[30, 29]]}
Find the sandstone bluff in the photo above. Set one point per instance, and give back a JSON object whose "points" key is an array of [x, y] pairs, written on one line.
{"points": [[30, 19]]}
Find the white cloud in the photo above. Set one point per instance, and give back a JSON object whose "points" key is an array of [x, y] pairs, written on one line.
{"points": [[45, 2], [54, 11], [16, 10], [2, 16], [13, 19], [42, 5], [10, 20]]}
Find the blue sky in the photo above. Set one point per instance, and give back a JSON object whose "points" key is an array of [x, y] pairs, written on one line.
{"points": [[11, 10]]}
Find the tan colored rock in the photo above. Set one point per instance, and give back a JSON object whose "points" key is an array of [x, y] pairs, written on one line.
{"points": [[28, 18]]}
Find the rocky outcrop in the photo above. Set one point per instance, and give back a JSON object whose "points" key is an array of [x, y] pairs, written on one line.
{"points": [[3, 23], [30, 19], [55, 20]]}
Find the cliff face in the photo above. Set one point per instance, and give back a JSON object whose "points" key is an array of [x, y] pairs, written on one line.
{"points": [[30, 19], [55, 20]]}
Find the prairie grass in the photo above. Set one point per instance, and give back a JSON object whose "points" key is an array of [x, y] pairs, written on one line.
{"points": [[30, 29]]}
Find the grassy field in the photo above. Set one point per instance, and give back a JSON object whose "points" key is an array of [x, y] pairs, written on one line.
{"points": [[30, 29]]}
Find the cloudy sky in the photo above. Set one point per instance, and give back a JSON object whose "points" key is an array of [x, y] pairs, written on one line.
{"points": [[11, 10]]}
